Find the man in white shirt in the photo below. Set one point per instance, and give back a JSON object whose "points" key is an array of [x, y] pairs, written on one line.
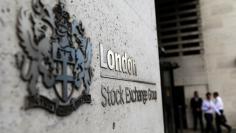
{"points": [[208, 107], [220, 119]]}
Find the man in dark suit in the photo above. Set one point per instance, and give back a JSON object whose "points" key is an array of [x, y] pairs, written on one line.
{"points": [[196, 104]]}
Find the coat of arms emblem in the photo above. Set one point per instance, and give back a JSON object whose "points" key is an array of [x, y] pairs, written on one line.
{"points": [[57, 54]]}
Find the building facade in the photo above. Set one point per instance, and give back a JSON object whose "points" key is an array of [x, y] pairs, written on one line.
{"points": [[79, 66], [213, 68]]}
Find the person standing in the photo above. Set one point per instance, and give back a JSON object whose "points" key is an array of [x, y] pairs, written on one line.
{"points": [[208, 107], [220, 119], [196, 104]]}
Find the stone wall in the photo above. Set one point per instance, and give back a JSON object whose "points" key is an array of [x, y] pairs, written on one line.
{"points": [[122, 26], [218, 25]]}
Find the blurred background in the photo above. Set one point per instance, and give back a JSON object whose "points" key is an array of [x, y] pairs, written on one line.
{"points": [[197, 48]]}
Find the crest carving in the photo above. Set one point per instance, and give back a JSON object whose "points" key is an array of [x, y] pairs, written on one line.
{"points": [[56, 53]]}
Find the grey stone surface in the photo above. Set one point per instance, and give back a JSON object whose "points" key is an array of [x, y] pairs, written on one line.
{"points": [[121, 25], [219, 45]]}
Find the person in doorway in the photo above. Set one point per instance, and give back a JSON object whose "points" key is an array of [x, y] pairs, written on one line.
{"points": [[196, 104], [220, 119], [208, 107]]}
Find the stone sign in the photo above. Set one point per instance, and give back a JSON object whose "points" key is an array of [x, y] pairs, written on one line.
{"points": [[79, 66]]}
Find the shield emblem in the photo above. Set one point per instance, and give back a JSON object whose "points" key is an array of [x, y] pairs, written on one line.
{"points": [[65, 63], [57, 51]]}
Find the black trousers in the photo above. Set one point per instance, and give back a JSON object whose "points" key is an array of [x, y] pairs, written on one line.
{"points": [[209, 123], [197, 116], [220, 123]]}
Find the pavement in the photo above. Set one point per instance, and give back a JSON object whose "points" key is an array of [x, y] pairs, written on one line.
{"points": [[191, 131]]}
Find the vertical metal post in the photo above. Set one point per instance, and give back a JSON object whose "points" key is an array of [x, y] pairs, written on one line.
{"points": [[180, 119]]}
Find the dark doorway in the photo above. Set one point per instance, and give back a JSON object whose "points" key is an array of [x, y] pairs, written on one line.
{"points": [[173, 100], [179, 107], [167, 86]]}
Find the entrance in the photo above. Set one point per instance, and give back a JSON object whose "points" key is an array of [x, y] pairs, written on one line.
{"points": [[179, 107], [173, 99], [167, 85]]}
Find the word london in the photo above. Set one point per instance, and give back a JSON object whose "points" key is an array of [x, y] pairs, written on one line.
{"points": [[117, 62]]}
